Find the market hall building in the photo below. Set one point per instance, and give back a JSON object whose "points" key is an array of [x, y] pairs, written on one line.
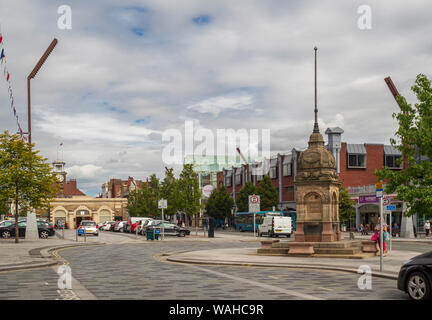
{"points": [[355, 164], [71, 205]]}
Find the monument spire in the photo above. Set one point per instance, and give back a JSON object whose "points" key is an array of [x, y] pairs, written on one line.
{"points": [[316, 128]]}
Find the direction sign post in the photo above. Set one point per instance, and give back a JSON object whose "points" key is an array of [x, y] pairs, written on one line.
{"points": [[379, 194], [254, 206], [162, 204]]}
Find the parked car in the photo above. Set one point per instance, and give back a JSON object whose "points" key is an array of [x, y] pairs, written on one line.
{"points": [[89, 226], [107, 226], [118, 227], [45, 229], [143, 223], [170, 229], [415, 277], [133, 221], [150, 223]]}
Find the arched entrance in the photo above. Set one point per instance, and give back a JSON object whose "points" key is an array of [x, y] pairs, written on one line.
{"points": [[59, 216], [82, 213]]}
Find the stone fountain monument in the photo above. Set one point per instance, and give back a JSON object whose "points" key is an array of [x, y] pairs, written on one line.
{"points": [[317, 189], [317, 203]]}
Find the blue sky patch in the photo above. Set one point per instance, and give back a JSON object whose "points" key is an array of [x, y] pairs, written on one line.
{"points": [[138, 31], [202, 19]]}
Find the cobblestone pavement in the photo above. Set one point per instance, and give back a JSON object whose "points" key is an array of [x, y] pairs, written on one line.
{"points": [[131, 271]]}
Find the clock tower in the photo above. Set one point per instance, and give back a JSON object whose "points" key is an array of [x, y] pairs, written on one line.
{"points": [[59, 170]]}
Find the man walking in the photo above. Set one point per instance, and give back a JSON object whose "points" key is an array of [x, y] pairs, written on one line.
{"points": [[427, 228]]}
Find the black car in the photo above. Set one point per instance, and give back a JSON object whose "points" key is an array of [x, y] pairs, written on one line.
{"points": [[171, 229], [45, 229], [415, 277]]}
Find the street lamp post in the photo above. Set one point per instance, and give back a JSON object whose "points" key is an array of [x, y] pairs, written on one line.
{"points": [[31, 76]]}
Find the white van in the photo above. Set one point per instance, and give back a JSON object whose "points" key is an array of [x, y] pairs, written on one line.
{"points": [[275, 226]]}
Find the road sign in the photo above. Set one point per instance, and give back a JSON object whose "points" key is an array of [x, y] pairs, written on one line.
{"points": [[81, 231], [391, 207], [157, 231], [386, 201], [379, 185], [207, 190], [379, 193], [254, 203], [162, 204]]}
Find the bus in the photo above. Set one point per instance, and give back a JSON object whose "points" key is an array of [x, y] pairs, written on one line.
{"points": [[243, 221]]}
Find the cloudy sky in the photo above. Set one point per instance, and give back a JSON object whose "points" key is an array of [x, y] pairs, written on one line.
{"points": [[129, 70]]}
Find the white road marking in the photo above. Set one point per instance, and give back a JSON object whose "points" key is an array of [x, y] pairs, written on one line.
{"points": [[262, 285]]}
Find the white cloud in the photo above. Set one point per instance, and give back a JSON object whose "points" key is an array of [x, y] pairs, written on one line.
{"points": [[216, 105], [86, 172], [252, 56]]}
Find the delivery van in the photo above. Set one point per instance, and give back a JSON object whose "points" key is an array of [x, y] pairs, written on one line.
{"points": [[275, 226]]}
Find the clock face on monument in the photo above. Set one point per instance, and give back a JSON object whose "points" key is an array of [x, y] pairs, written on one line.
{"points": [[60, 177]]}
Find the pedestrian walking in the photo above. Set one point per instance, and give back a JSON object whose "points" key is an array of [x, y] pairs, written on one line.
{"points": [[395, 230], [377, 237], [427, 228]]}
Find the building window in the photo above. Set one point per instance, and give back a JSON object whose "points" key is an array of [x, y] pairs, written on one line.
{"points": [[228, 181], [238, 178], [290, 189], [287, 169], [273, 172], [356, 161], [393, 162]]}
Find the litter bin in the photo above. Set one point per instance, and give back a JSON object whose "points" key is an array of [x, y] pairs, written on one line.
{"points": [[149, 235], [211, 228]]}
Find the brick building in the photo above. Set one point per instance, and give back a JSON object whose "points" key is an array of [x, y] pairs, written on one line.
{"points": [[117, 188], [355, 164]]}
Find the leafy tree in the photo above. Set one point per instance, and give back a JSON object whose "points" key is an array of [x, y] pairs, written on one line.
{"points": [[346, 209], [25, 176], [189, 192], [4, 207], [413, 184], [243, 196], [170, 192], [268, 193], [136, 204], [219, 204]]}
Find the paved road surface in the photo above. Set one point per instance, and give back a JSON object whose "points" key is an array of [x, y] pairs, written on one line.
{"points": [[129, 270]]}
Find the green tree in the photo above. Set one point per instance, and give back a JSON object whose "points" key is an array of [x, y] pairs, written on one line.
{"points": [[189, 192], [25, 176], [219, 204], [137, 204], [243, 196], [169, 191], [268, 194], [4, 207], [413, 184], [346, 209]]}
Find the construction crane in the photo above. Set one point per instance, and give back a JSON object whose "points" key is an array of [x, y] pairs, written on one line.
{"points": [[246, 163]]}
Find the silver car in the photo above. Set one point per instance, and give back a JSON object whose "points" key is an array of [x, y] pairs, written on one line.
{"points": [[90, 227]]}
